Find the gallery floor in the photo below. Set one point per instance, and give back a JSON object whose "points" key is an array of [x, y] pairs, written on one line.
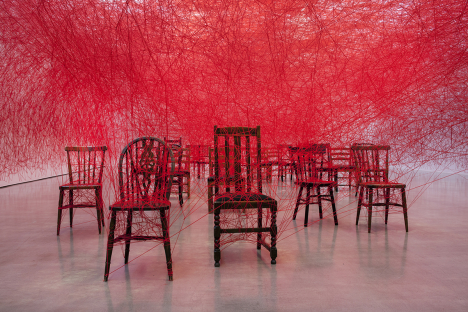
{"points": [[322, 268]]}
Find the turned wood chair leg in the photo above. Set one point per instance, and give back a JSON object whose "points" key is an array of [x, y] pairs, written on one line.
{"points": [[387, 203], [217, 236], [332, 197], [71, 205], [273, 232]]}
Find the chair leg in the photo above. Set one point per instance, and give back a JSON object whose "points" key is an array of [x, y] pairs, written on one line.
{"points": [[361, 194], [210, 197], [217, 236], [298, 202], [180, 180], [98, 210], [167, 242], [332, 198], [188, 185], [71, 209], [306, 219], [387, 203], [110, 245], [273, 232], [405, 208], [59, 217], [259, 224], [128, 234], [369, 210], [319, 200]]}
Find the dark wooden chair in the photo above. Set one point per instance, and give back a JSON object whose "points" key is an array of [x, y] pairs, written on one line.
{"points": [[85, 168], [246, 182], [312, 172], [372, 167], [341, 161], [146, 169], [182, 172]]}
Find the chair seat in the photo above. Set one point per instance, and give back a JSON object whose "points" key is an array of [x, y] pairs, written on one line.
{"points": [[181, 172], [242, 197], [315, 182], [79, 186], [155, 204], [382, 185]]}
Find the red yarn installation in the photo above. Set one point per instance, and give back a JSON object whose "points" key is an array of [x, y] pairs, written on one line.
{"points": [[89, 73]]}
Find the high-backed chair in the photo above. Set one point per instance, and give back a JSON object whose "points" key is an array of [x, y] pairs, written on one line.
{"points": [[241, 148], [372, 162], [84, 188], [146, 168], [313, 174]]}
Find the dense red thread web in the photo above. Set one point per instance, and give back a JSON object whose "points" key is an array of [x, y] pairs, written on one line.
{"points": [[105, 72]]}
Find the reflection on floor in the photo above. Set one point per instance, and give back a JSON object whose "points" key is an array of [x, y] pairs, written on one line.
{"points": [[321, 267]]}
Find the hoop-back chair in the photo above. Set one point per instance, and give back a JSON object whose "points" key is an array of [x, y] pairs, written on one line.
{"points": [[311, 166], [243, 187], [85, 168], [372, 162], [146, 169]]}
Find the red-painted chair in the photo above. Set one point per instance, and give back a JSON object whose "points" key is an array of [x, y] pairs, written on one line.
{"points": [[84, 189]]}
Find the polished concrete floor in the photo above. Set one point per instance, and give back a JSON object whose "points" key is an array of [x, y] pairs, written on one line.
{"points": [[321, 267]]}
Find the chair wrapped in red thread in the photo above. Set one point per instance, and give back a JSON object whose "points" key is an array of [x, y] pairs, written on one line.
{"points": [[311, 164], [84, 189], [372, 167], [233, 209], [146, 168]]}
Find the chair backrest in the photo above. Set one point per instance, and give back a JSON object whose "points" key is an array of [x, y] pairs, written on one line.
{"points": [[182, 158], [238, 157], [174, 143], [341, 156], [310, 160], [85, 164], [199, 153], [146, 169], [371, 162]]}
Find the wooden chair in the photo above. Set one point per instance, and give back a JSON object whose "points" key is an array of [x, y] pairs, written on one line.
{"points": [[199, 157], [146, 168], [341, 161], [247, 193], [372, 167], [85, 168], [182, 172], [311, 165]]}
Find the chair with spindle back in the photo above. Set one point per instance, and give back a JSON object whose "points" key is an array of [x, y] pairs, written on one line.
{"points": [[182, 172], [146, 168], [199, 156], [85, 169], [341, 161], [372, 162], [245, 179], [312, 172]]}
